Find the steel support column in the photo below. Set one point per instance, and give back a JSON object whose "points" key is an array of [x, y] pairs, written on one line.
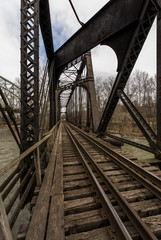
{"points": [[80, 107], [75, 106], [29, 72], [159, 76], [88, 112], [90, 85]]}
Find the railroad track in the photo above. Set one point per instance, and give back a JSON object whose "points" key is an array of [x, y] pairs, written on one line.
{"points": [[106, 195]]}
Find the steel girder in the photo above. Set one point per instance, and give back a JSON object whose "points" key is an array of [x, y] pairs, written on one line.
{"points": [[124, 26], [29, 71], [159, 76], [45, 25], [114, 17], [133, 48]]}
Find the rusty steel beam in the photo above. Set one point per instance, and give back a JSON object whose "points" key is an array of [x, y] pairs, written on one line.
{"points": [[137, 40], [159, 76], [115, 16], [46, 30], [29, 72]]}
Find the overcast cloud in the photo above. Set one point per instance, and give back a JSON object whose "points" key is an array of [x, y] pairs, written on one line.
{"points": [[64, 25]]}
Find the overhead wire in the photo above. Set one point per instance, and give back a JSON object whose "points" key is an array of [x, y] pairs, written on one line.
{"points": [[81, 23]]}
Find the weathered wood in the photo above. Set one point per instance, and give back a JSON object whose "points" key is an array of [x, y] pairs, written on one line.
{"points": [[55, 229], [100, 233], [137, 195], [85, 221], [37, 166], [74, 170], [78, 193], [77, 184], [148, 207], [5, 231], [74, 177], [154, 223], [37, 227], [80, 205]]}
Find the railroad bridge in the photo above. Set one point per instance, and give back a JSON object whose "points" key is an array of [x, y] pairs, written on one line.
{"points": [[79, 186]]}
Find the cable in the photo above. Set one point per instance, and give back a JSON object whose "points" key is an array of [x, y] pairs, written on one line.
{"points": [[81, 23]]}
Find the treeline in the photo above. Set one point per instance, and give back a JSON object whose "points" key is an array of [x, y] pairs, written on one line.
{"points": [[141, 89]]}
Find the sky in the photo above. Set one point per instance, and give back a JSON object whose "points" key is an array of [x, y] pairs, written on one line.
{"points": [[64, 25]]}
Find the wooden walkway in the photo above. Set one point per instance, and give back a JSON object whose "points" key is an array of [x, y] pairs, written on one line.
{"points": [[47, 221]]}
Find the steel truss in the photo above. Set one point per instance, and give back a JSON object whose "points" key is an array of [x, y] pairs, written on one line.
{"points": [[29, 71], [122, 25]]}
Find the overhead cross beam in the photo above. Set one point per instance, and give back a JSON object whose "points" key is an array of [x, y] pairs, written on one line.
{"points": [[45, 25], [115, 16]]}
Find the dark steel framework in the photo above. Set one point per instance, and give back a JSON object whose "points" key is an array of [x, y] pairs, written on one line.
{"points": [[29, 71], [122, 25]]}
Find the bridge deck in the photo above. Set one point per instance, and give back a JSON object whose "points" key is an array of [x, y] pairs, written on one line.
{"points": [[68, 207]]}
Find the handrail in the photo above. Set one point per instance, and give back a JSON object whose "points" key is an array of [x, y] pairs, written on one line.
{"points": [[27, 152]]}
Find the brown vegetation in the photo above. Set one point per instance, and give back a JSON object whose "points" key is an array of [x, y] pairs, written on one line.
{"points": [[141, 89]]}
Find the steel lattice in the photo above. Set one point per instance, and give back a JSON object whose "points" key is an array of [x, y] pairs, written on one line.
{"points": [[29, 70]]}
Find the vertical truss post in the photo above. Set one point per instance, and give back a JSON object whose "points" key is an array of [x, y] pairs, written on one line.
{"points": [[91, 88], [52, 98], [76, 106], [159, 76], [88, 111], [73, 121], [57, 105], [80, 108], [29, 72]]}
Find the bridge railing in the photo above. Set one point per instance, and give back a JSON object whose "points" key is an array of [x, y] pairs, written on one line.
{"points": [[22, 175]]}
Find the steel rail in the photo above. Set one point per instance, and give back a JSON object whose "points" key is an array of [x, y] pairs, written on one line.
{"points": [[114, 219], [144, 174], [135, 219]]}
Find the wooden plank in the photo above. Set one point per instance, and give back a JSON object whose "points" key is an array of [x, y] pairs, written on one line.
{"points": [[137, 195], [77, 184], [85, 221], [80, 205], [55, 229], [5, 231], [73, 170], [154, 223], [100, 233], [78, 193], [147, 207], [74, 177], [37, 226]]}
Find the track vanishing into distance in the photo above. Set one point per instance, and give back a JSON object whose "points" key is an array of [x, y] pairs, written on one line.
{"points": [[107, 195]]}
